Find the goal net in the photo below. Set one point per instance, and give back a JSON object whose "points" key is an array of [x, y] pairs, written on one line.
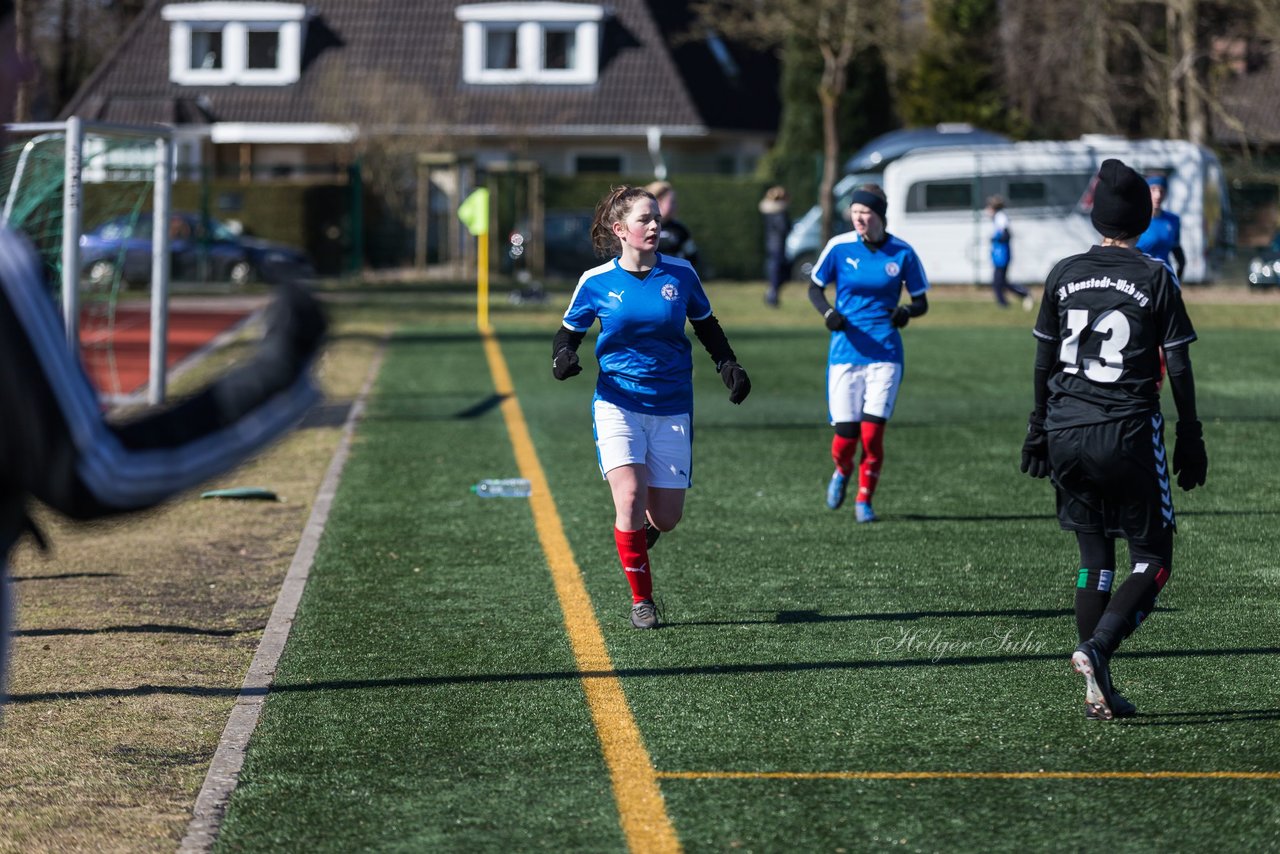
{"points": [[84, 194]]}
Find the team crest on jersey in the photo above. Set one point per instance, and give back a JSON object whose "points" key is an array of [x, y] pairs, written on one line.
{"points": [[892, 268], [669, 292]]}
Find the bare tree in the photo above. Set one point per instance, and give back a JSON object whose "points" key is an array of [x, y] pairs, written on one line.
{"points": [[839, 30], [22, 11]]}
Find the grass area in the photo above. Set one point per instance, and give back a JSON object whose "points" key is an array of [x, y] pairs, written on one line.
{"points": [[429, 698]]}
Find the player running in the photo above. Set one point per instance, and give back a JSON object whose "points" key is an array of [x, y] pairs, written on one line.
{"points": [[1097, 428], [643, 404], [869, 268]]}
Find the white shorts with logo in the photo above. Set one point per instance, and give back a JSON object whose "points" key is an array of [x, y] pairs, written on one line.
{"points": [[663, 444], [857, 390]]}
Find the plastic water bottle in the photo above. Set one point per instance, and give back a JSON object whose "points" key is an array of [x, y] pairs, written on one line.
{"points": [[511, 487]]}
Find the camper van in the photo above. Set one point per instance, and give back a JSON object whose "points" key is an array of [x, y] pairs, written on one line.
{"points": [[937, 203], [867, 166]]}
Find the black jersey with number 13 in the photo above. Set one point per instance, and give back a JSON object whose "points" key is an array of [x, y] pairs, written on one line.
{"points": [[1109, 310]]}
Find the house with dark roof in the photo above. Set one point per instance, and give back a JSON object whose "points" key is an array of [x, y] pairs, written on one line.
{"points": [[619, 86]]}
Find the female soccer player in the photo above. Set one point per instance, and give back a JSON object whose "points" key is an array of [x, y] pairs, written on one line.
{"points": [[869, 268], [643, 402], [1097, 427]]}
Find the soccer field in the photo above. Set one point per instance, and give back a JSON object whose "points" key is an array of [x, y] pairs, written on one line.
{"points": [[818, 685]]}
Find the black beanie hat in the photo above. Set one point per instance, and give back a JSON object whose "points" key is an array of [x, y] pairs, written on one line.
{"points": [[1121, 201]]}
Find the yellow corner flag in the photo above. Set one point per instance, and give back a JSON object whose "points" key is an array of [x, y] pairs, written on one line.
{"points": [[474, 212]]}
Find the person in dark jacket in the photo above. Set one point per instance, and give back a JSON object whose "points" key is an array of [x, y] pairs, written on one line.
{"points": [[777, 224]]}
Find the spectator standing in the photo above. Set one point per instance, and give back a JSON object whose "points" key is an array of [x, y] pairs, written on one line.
{"points": [[777, 224], [1002, 255]]}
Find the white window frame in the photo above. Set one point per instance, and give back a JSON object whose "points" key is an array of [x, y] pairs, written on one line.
{"points": [[235, 20], [531, 21]]}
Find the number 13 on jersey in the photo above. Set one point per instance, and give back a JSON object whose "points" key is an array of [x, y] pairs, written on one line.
{"points": [[1110, 331]]}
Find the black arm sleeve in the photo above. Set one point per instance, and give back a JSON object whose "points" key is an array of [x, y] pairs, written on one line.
{"points": [[566, 339], [919, 305], [1181, 382], [713, 338], [819, 299], [1046, 358], [1179, 260]]}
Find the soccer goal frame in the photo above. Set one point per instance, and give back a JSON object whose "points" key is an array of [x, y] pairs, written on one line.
{"points": [[74, 130]]}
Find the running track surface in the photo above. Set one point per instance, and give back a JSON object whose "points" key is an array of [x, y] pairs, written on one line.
{"points": [[117, 355]]}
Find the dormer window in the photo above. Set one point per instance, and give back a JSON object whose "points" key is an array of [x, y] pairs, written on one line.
{"points": [[530, 42], [227, 43]]}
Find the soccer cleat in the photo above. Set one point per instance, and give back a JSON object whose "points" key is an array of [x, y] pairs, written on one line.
{"points": [[1095, 668], [836, 489], [864, 512], [644, 615], [1120, 707], [651, 534], [1028, 302]]}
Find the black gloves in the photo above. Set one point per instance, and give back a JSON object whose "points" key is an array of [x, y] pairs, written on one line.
{"points": [[736, 380], [1190, 463], [900, 316], [833, 319], [565, 364], [1035, 448]]}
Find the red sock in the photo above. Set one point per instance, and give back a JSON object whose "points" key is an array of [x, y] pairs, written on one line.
{"points": [[842, 451], [634, 555], [872, 459]]}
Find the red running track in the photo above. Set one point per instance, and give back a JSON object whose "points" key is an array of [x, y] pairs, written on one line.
{"points": [[117, 355]]}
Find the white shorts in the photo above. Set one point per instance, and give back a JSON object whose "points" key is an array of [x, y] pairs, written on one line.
{"points": [[857, 390], [663, 444]]}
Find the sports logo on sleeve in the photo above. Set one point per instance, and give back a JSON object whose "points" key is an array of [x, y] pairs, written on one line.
{"points": [[669, 292]]}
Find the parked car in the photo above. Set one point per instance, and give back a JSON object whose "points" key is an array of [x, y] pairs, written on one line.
{"points": [[1264, 268], [567, 250], [199, 248]]}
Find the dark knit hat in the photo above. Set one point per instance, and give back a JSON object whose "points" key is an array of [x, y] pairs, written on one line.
{"points": [[1121, 201]]}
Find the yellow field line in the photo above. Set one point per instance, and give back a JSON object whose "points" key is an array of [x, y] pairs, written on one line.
{"points": [[635, 783], [968, 775]]}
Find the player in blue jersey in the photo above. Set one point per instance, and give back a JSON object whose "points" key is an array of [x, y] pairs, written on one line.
{"points": [[868, 268], [1002, 255], [643, 404], [1163, 238]]}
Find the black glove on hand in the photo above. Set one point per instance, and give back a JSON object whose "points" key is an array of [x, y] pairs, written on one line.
{"points": [[1035, 448], [1190, 462], [565, 364], [736, 380], [834, 320], [900, 316]]}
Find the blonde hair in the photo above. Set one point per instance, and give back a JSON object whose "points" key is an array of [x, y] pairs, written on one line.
{"points": [[659, 189], [776, 193], [614, 207]]}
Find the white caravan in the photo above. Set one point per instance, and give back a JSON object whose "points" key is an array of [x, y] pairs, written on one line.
{"points": [[937, 200]]}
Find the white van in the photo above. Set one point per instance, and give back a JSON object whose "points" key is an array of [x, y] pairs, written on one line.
{"points": [[937, 201]]}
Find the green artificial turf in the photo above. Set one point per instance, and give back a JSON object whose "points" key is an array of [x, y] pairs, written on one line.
{"points": [[427, 698]]}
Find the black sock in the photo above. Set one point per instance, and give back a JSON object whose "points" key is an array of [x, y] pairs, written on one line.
{"points": [[1093, 592], [1133, 602]]}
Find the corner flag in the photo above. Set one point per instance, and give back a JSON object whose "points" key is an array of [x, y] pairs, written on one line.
{"points": [[474, 212]]}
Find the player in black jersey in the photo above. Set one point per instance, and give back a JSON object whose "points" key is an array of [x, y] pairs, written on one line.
{"points": [[1097, 428]]}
